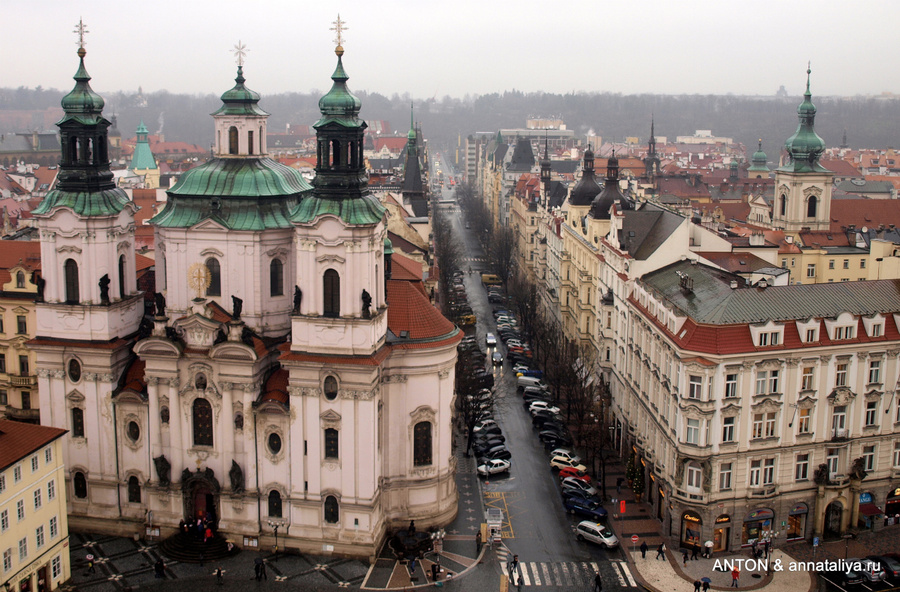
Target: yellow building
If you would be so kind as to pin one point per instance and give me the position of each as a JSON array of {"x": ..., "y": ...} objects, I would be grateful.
[
  {"x": 34, "y": 532},
  {"x": 20, "y": 264}
]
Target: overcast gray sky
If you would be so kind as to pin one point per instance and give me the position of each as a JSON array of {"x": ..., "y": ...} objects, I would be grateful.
[{"x": 455, "y": 47}]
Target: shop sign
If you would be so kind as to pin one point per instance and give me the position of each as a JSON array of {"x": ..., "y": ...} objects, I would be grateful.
[
  {"x": 723, "y": 519},
  {"x": 895, "y": 493},
  {"x": 691, "y": 517},
  {"x": 865, "y": 498},
  {"x": 800, "y": 508},
  {"x": 761, "y": 514}
]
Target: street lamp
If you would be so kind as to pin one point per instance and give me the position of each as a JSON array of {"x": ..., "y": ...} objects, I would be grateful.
[{"x": 275, "y": 524}]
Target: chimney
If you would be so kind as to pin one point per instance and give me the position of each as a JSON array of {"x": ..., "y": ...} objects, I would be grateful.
[
  {"x": 757, "y": 239},
  {"x": 734, "y": 284},
  {"x": 763, "y": 284}
]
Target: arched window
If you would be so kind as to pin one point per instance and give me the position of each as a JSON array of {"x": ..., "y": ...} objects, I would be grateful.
[
  {"x": 215, "y": 277},
  {"x": 274, "y": 504},
  {"x": 783, "y": 204},
  {"x": 232, "y": 140},
  {"x": 332, "y": 293},
  {"x": 134, "y": 490},
  {"x": 331, "y": 388},
  {"x": 276, "y": 278},
  {"x": 811, "y": 206},
  {"x": 200, "y": 382},
  {"x": 332, "y": 512},
  {"x": 335, "y": 154},
  {"x": 122, "y": 277},
  {"x": 250, "y": 142},
  {"x": 77, "y": 422},
  {"x": 332, "y": 443},
  {"x": 422, "y": 443},
  {"x": 79, "y": 484},
  {"x": 203, "y": 423},
  {"x": 20, "y": 279},
  {"x": 71, "y": 272}
]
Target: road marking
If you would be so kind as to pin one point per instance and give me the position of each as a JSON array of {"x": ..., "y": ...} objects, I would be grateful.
[
  {"x": 523, "y": 574},
  {"x": 565, "y": 571},
  {"x": 833, "y": 584},
  {"x": 627, "y": 572},
  {"x": 546, "y": 573}
]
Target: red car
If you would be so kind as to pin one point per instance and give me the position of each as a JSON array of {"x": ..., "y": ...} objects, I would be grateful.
[{"x": 575, "y": 474}]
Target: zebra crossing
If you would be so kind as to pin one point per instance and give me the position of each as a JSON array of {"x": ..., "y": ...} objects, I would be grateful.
[{"x": 578, "y": 574}]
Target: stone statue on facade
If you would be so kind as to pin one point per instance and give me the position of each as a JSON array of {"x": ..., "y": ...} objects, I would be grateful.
[
  {"x": 40, "y": 282},
  {"x": 160, "y": 300},
  {"x": 298, "y": 297},
  {"x": 237, "y": 477},
  {"x": 237, "y": 305},
  {"x": 366, "y": 303},
  {"x": 162, "y": 470},
  {"x": 821, "y": 475},
  {"x": 104, "y": 289},
  {"x": 858, "y": 469}
]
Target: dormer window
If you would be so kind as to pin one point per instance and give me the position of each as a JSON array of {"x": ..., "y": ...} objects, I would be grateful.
[
  {"x": 844, "y": 332},
  {"x": 769, "y": 338}
]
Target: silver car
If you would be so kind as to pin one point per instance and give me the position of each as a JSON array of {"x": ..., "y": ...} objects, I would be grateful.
[{"x": 869, "y": 569}]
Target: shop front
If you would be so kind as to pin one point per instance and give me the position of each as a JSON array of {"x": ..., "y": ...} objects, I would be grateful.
[
  {"x": 757, "y": 526},
  {"x": 892, "y": 505},
  {"x": 691, "y": 524},
  {"x": 722, "y": 533},
  {"x": 796, "y": 524},
  {"x": 869, "y": 512}
]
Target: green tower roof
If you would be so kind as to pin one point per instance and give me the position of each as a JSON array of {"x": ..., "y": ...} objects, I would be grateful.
[
  {"x": 758, "y": 162},
  {"x": 805, "y": 146},
  {"x": 361, "y": 210},
  {"x": 82, "y": 104},
  {"x": 240, "y": 100},
  {"x": 339, "y": 105},
  {"x": 143, "y": 158}
]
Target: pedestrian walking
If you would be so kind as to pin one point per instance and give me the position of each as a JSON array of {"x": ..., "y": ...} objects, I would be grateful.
[
  {"x": 697, "y": 585},
  {"x": 262, "y": 571},
  {"x": 644, "y": 550},
  {"x": 478, "y": 543},
  {"x": 619, "y": 482},
  {"x": 754, "y": 548},
  {"x": 219, "y": 580},
  {"x": 201, "y": 558},
  {"x": 684, "y": 557},
  {"x": 90, "y": 562},
  {"x": 257, "y": 575},
  {"x": 768, "y": 546},
  {"x": 159, "y": 568},
  {"x": 598, "y": 582},
  {"x": 661, "y": 551},
  {"x": 434, "y": 572},
  {"x": 705, "y": 586},
  {"x": 735, "y": 577}
]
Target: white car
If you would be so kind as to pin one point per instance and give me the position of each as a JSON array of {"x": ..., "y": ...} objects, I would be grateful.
[
  {"x": 561, "y": 462},
  {"x": 484, "y": 424},
  {"x": 513, "y": 343},
  {"x": 565, "y": 453},
  {"x": 542, "y": 406},
  {"x": 572, "y": 484},
  {"x": 490, "y": 340},
  {"x": 596, "y": 533},
  {"x": 520, "y": 368},
  {"x": 492, "y": 467}
]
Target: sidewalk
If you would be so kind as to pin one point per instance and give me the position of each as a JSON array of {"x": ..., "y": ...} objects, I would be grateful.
[{"x": 670, "y": 575}]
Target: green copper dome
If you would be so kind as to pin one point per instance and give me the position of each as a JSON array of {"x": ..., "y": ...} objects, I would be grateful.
[
  {"x": 805, "y": 146},
  {"x": 240, "y": 100},
  {"x": 758, "y": 162},
  {"x": 361, "y": 210},
  {"x": 82, "y": 104},
  {"x": 339, "y": 104},
  {"x": 388, "y": 246},
  {"x": 142, "y": 159}
]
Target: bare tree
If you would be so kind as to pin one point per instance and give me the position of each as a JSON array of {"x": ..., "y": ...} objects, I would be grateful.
[{"x": 502, "y": 252}]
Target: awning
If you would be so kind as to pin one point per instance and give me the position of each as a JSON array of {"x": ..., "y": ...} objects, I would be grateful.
[{"x": 870, "y": 510}]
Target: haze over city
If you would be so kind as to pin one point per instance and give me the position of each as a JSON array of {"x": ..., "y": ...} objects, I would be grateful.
[{"x": 457, "y": 48}]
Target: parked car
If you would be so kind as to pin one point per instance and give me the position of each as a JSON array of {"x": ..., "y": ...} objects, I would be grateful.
[
  {"x": 565, "y": 452},
  {"x": 870, "y": 570},
  {"x": 548, "y": 424},
  {"x": 584, "y": 499},
  {"x": 561, "y": 462},
  {"x": 579, "y": 485},
  {"x": 524, "y": 381},
  {"x": 575, "y": 473},
  {"x": 542, "y": 406},
  {"x": 582, "y": 507},
  {"x": 530, "y": 398},
  {"x": 490, "y": 340},
  {"x": 531, "y": 373},
  {"x": 596, "y": 533},
  {"x": 484, "y": 425},
  {"x": 890, "y": 565},
  {"x": 553, "y": 438},
  {"x": 495, "y": 438},
  {"x": 500, "y": 454},
  {"x": 485, "y": 448},
  {"x": 843, "y": 578},
  {"x": 493, "y": 467}
]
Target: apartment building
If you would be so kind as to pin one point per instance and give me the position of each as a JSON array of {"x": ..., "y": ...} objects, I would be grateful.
[{"x": 34, "y": 533}]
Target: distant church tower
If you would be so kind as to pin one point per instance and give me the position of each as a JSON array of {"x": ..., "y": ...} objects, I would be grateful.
[
  {"x": 803, "y": 186},
  {"x": 142, "y": 161},
  {"x": 651, "y": 162},
  {"x": 91, "y": 308},
  {"x": 759, "y": 169},
  {"x": 413, "y": 189}
]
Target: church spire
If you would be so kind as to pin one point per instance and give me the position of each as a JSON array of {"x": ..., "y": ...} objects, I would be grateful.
[{"x": 805, "y": 146}]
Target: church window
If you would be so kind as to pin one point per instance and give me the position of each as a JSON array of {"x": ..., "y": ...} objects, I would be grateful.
[
  {"x": 133, "y": 431},
  {"x": 203, "y": 418},
  {"x": 79, "y": 484},
  {"x": 122, "y": 277},
  {"x": 335, "y": 153},
  {"x": 332, "y": 293},
  {"x": 422, "y": 444},
  {"x": 215, "y": 277},
  {"x": 200, "y": 382},
  {"x": 783, "y": 204},
  {"x": 274, "y": 443},
  {"x": 276, "y": 278},
  {"x": 331, "y": 388},
  {"x": 134, "y": 490},
  {"x": 71, "y": 273},
  {"x": 274, "y": 504},
  {"x": 77, "y": 422},
  {"x": 74, "y": 370},
  {"x": 332, "y": 512},
  {"x": 250, "y": 142},
  {"x": 811, "y": 206},
  {"x": 20, "y": 279},
  {"x": 232, "y": 140},
  {"x": 164, "y": 415},
  {"x": 332, "y": 448},
  {"x": 21, "y": 324}
]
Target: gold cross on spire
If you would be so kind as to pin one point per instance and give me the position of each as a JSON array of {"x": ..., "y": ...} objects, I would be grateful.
[
  {"x": 81, "y": 31},
  {"x": 339, "y": 27},
  {"x": 240, "y": 52}
]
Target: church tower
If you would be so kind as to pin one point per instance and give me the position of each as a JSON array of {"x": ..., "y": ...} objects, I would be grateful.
[
  {"x": 413, "y": 189},
  {"x": 89, "y": 308},
  {"x": 803, "y": 186},
  {"x": 545, "y": 173},
  {"x": 651, "y": 162},
  {"x": 758, "y": 167},
  {"x": 142, "y": 161}
]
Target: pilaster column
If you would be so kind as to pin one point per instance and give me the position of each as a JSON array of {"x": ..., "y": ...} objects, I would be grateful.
[
  {"x": 177, "y": 421},
  {"x": 819, "y": 526}
]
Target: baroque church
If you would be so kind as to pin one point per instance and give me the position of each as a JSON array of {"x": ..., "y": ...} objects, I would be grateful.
[{"x": 293, "y": 375}]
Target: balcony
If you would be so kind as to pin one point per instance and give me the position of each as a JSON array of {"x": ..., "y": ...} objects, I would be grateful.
[
  {"x": 29, "y": 415},
  {"x": 23, "y": 381},
  {"x": 839, "y": 434},
  {"x": 765, "y": 492},
  {"x": 689, "y": 497}
]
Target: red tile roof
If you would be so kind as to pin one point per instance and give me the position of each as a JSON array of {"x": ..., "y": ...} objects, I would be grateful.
[
  {"x": 839, "y": 167},
  {"x": 275, "y": 388},
  {"x": 864, "y": 212},
  {"x": 13, "y": 253},
  {"x": 134, "y": 380},
  {"x": 18, "y": 440},
  {"x": 395, "y": 144},
  {"x": 410, "y": 310},
  {"x": 404, "y": 268}
]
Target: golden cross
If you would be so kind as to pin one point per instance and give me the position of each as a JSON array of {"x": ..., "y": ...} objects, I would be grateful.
[
  {"x": 240, "y": 52},
  {"x": 81, "y": 30},
  {"x": 339, "y": 27}
]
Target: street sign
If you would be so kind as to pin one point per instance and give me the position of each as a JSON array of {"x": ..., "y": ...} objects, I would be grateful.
[
  {"x": 621, "y": 506},
  {"x": 815, "y": 541},
  {"x": 634, "y": 538}
]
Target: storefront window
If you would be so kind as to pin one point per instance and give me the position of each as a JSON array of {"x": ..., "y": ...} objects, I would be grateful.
[
  {"x": 757, "y": 525},
  {"x": 721, "y": 533},
  {"x": 796, "y": 527},
  {"x": 690, "y": 529},
  {"x": 892, "y": 505}
]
